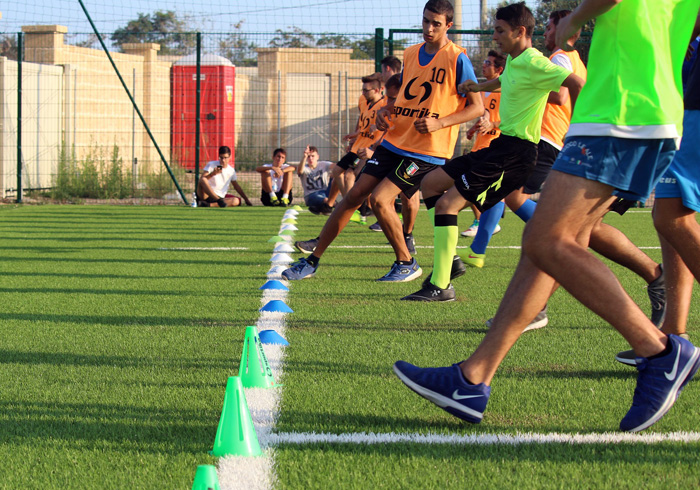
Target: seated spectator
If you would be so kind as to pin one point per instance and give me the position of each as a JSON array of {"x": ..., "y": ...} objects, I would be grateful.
[
  {"x": 213, "y": 185},
  {"x": 276, "y": 179},
  {"x": 315, "y": 177}
]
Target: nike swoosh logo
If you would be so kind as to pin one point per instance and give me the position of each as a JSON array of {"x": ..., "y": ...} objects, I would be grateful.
[
  {"x": 672, "y": 375},
  {"x": 472, "y": 256},
  {"x": 457, "y": 396}
]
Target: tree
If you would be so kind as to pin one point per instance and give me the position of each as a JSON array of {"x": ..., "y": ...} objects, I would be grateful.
[
  {"x": 8, "y": 46},
  {"x": 296, "y": 38},
  {"x": 238, "y": 49},
  {"x": 163, "y": 27}
]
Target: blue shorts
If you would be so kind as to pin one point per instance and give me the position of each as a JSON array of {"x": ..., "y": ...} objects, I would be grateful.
[
  {"x": 631, "y": 166},
  {"x": 682, "y": 179}
]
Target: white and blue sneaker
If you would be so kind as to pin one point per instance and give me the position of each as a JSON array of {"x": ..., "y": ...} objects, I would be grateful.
[
  {"x": 659, "y": 382},
  {"x": 447, "y": 389},
  {"x": 300, "y": 269},
  {"x": 402, "y": 273}
]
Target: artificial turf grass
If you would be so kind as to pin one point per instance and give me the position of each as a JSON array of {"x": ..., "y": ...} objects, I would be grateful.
[{"x": 115, "y": 354}]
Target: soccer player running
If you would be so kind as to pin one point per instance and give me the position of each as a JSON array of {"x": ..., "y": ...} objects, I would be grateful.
[
  {"x": 622, "y": 139},
  {"x": 485, "y": 177},
  {"x": 426, "y": 117}
]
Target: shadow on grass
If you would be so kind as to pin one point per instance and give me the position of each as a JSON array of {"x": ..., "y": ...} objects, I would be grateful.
[{"x": 128, "y": 427}]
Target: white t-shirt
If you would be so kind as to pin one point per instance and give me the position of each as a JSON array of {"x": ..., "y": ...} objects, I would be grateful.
[
  {"x": 220, "y": 182},
  {"x": 276, "y": 181},
  {"x": 315, "y": 179}
]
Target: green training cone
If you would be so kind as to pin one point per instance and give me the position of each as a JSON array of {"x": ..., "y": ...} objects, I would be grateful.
[
  {"x": 206, "y": 478},
  {"x": 236, "y": 433},
  {"x": 255, "y": 371}
]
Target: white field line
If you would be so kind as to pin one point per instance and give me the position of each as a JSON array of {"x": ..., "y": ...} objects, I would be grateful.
[
  {"x": 202, "y": 248},
  {"x": 504, "y": 247},
  {"x": 482, "y": 439},
  {"x": 246, "y": 473}
]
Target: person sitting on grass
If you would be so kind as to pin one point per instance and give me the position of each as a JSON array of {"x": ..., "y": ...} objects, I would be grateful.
[
  {"x": 213, "y": 185},
  {"x": 276, "y": 180},
  {"x": 315, "y": 177}
]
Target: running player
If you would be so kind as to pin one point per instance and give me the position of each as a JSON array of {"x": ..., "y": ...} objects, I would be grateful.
[
  {"x": 426, "y": 118},
  {"x": 622, "y": 139}
]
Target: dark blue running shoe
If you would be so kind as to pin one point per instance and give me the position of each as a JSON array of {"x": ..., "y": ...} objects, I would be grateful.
[
  {"x": 447, "y": 389},
  {"x": 659, "y": 382}
]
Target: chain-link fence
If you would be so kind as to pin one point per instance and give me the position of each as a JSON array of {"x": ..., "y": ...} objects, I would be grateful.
[{"x": 72, "y": 118}]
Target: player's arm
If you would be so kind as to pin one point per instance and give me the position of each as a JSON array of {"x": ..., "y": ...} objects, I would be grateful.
[
  {"x": 586, "y": 10},
  {"x": 302, "y": 162},
  {"x": 474, "y": 109},
  {"x": 562, "y": 96},
  {"x": 573, "y": 84},
  {"x": 239, "y": 189},
  {"x": 384, "y": 115},
  {"x": 470, "y": 86}
]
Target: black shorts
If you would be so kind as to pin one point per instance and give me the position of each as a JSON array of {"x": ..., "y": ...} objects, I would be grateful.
[
  {"x": 404, "y": 172},
  {"x": 546, "y": 154},
  {"x": 265, "y": 197},
  {"x": 487, "y": 176},
  {"x": 349, "y": 161}
]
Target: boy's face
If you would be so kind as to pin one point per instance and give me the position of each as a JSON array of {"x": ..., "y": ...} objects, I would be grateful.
[
  {"x": 489, "y": 68},
  {"x": 387, "y": 73},
  {"x": 435, "y": 26},
  {"x": 312, "y": 159},
  {"x": 506, "y": 37},
  {"x": 279, "y": 159},
  {"x": 392, "y": 93},
  {"x": 224, "y": 159},
  {"x": 370, "y": 92},
  {"x": 549, "y": 36}
]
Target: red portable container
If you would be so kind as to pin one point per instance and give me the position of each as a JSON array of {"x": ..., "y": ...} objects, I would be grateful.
[{"x": 217, "y": 123}]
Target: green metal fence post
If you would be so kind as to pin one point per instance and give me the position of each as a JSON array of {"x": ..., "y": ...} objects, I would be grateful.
[
  {"x": 20, "y": 49},
  {"x": 378, "y": 48}
]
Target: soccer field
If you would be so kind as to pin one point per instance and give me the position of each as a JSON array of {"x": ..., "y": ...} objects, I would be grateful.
[{"x": 120, "y": 326}]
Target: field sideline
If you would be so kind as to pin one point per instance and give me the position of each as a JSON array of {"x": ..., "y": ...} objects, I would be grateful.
[{"x": 120, "y": 326}]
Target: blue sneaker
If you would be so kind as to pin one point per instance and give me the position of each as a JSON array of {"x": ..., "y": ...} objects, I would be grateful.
[
  {"x": 447, "y": 389},
  {"x": 659, "y": 382},
  {"x": 402, "y": 273},
  {"x": 300, "y": 269}
]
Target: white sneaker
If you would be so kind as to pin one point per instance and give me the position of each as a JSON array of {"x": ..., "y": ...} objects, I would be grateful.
[{"x": 471, "y": 231}]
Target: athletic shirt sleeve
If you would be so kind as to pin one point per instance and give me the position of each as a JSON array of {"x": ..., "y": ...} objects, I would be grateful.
[
  {"x": 465, "y": 69},
  {"x": 546, "y": 75},
  {"x": 563, "y": 61}
]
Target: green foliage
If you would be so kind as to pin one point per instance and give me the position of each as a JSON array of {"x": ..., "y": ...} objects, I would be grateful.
[
  {"x": 96, "y": 176},
  {"x": 8, "y": 46},
  {"x": 162, "y": 27},
  {"x": 237, "y": 48}
]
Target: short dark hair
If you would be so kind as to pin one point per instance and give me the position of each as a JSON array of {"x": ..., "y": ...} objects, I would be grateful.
[
  {"x": 441, "y": 7},
  {"x": 392, "y": 62},
  {"x": 394, "y": 82},
  {"x": 224, "y": 150},
  {"x": 517, "y": 15},
  {"x": 498, "y": 59},
  {"x": 313, "y": 149},
  {"x": 279, "y": 150},
  {"x": 558, "y": 15},
  {"x": 375, "y": 79}
]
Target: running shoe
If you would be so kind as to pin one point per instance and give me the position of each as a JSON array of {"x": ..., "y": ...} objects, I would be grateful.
[
  {"x": 431, "y": 292},
  {"x": 471, "y": 231},
  {"x": 308, "y": 246},
  {"x": 458, "y": 269},
  {"x": 540, "y": 321},
  {"x": 356, "y": 217},
  {"x": 474, "y": 260},
  {"x": 376, "y": 227},
  {"x": 410, "y": 243},
  {"x": 659, "y": 382},
  {"x": 402, "y": 273},
  {"x": 656, "y": 290},
  {"x": 284, "y": 202},
  {"x": 446, "y": 388},
  {"x": 301, "y": 269},
  {"x": 630, "y": 358}
]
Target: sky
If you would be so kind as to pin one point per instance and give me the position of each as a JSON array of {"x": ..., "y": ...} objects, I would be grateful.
[{"x": 316, "y": 16}]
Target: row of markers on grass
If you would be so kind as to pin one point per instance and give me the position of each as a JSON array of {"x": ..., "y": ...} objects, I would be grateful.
[{"x": 235, "y": 435}]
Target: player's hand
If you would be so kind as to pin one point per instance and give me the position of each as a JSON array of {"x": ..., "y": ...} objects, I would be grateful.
[
  {"x": 382, "y": 120},
  {"x": 427, "y": 125},
  {"x": 278, "y": 171},
  {"x": 468, "y": 86},
  {"x": 365, "y": 153},
  {"x": 565, "y": 30},
  {"x": 307, "y": 151}
]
